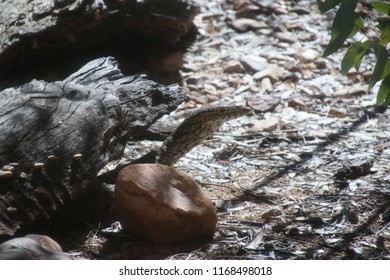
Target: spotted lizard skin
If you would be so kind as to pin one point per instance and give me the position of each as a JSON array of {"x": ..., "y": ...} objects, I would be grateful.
[{"x": 194, "y": 130}]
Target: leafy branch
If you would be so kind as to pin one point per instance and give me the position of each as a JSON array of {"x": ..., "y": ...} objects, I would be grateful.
[{"x": 345, "y": 25}]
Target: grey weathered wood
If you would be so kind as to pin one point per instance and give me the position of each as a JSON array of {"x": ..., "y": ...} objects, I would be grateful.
[
  {"x": 41, "y": 32},
  {"x": 55, "y": 137}
]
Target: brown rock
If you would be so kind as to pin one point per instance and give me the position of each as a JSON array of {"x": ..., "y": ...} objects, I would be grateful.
[
  {"x": 159, "y": 203},
  {"x": 32, "y": 247}
]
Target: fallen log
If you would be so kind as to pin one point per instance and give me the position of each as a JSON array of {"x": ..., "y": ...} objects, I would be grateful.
[
  {"x": 55, "y": 137},
  {"x": 50, "y": 37}
]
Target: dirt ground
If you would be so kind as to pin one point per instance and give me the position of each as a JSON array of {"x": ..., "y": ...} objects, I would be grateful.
[{"x": 306, "y": 174}]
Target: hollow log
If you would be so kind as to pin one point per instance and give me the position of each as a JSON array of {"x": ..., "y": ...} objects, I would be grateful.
[
  {"x": 42, "y": 36},
  {"x": 55, "y": 137}
]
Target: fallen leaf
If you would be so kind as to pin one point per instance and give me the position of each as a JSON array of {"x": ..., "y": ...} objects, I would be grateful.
[
  {"x": 264, "y": 125},
  {"x": 246, "y": 24}
]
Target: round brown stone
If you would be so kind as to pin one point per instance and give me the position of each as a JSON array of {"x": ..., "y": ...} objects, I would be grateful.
[{"x": 159, "y": 203}]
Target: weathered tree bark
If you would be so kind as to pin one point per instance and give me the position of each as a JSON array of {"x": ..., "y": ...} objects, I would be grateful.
[
  {"x": 55, "y": 137},
  {"x": 34, "y": 33}
]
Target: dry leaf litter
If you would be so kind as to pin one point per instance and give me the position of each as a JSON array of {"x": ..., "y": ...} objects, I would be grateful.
[{"x": 306, "y": 175}]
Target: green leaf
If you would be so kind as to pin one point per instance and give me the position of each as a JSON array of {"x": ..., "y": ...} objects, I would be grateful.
[
  {"x": 377, "y": 47},
  {"x": 359, "y": 23},
  {"x": 343, "y": 26},
  {"x": 381, "y": 61},
  {"x": 363, "y": 49},
  {"x": 385, "y": 36},
  {"x": 354, "y": 56},
  {"x": 386, "y": 70},
  {"x": 344, "y": 21},
  {"x": 329, "y": 4},
  {"x": 383, "y": 22},
  {"x": 348, "y": 59},
  {"x": 381, "y": 7},
  {"x": 383, "y": 96}
]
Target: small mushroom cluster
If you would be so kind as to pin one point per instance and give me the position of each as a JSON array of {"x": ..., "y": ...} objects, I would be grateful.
[{"x": 8, "y": 170}]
